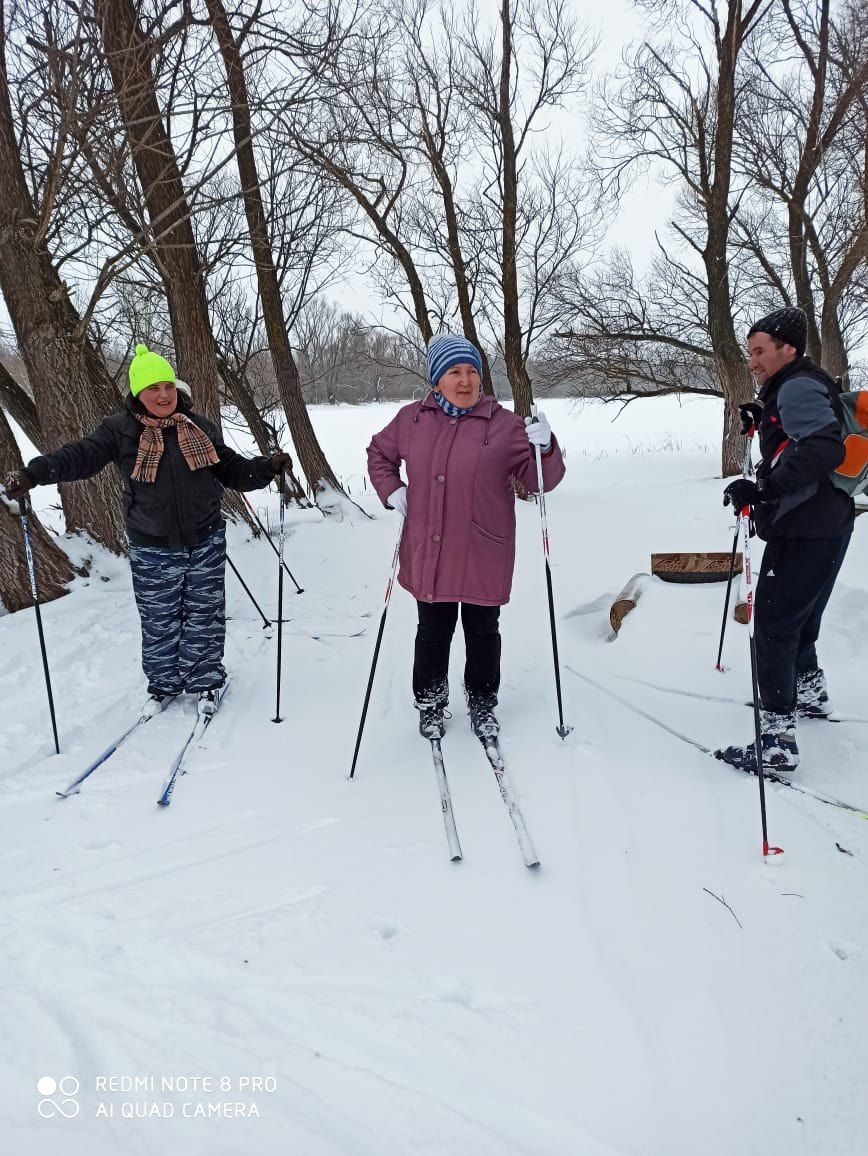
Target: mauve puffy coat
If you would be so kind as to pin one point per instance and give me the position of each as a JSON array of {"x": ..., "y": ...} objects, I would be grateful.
[{"x": 459, "y": 540}]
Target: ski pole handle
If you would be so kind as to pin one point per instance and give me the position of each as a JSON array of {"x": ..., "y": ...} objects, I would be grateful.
[
  {"x": 747, "y": 462},
  {"x": 540, "y": 488}
]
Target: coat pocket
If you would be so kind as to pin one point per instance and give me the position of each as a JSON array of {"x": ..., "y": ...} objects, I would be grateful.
[
  {"x": 488, "y": 571},
  {"x": 477, "y": 529}
]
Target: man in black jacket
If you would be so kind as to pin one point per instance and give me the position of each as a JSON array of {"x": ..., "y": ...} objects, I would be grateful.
[
  {"x": 806, "y": 522},
  {"x": 174, "y": 467}
]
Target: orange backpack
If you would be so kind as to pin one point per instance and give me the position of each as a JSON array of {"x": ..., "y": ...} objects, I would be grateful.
[{"x": 852, "y": 474}]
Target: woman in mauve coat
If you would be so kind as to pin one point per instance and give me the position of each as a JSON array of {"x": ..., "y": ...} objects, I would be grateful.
[{"x": 460, "y": 449}]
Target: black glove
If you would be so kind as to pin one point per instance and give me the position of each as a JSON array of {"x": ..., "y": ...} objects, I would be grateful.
[
  {"x": 280, "y": 462},
  {"x": 743, "y": 492},
  {"x": 750, "y": 414},
  {"x": 18, "y": 484}
]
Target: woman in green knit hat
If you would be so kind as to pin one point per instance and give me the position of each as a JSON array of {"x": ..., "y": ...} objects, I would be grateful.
[{"x": 174, "y": 466}]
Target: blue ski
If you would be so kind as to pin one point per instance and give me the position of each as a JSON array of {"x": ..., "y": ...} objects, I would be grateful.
[
  {"x": 73, "y": 787},
  {"x": 177, "y": 769}
]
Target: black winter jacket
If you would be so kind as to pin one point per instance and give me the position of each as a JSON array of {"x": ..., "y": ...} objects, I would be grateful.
[
  {"x": 182, "y": 507},
  {"x": 801, "y": 444}
]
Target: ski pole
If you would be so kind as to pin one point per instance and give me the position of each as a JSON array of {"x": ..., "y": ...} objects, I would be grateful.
[
  {"x": 23, "y": 508},
  {"x": 562, "y": 730},
  {"x": 748, "y": 582},
  {"x": 389, "y": 586},
  {"x": 266, "y": 535},
  {"x": 277, "y": 717},
  {"x": 266, "y": 625},
  {"x": 745, "y": 473}
]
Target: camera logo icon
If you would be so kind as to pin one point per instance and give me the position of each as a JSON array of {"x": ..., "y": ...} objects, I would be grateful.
[{"x": 58, "y": 1097}]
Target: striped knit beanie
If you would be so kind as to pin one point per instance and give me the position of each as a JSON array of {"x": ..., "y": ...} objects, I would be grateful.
[
  {"x": 449, "y": 350},
  {"x": 787, "y": 325}
]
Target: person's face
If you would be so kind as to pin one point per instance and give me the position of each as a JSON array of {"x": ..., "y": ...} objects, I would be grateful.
[
  {"x": 460, "y": 385},
  {"x": 160, "y": 400},
  {"x": 765, "y": 357}
]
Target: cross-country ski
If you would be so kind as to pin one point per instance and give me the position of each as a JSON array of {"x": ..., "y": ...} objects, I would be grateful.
[{"x": 151, "y": 709}]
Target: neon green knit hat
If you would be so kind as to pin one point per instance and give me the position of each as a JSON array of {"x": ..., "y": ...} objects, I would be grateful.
[{"x": 148, "y": 368}]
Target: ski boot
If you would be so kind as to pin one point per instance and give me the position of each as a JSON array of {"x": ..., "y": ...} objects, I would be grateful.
[
  {"x": 779, "y": 749},
  {"x": 431, "y": 706},
  {"x": 483, "y": 721},
  {"x": 156, "y": 703},
  {"x": 209, "y": 700},
  {"x": 812, "y": 695}
]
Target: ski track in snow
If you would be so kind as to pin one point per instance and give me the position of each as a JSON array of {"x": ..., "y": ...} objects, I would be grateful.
[{"x": 280, "y": 920}]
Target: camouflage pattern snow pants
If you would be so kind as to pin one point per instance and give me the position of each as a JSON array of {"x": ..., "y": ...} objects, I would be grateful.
[{"x": 181, "y": 596}]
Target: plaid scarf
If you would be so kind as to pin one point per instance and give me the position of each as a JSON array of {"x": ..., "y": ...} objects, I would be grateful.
[{"x": 193, "y": 443}]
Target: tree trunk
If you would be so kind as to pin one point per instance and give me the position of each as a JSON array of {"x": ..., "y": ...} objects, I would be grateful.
[
  {"x": 128, "y": 58},
  {"x": 802, "y": 277},
  {"x": 737, "y": 386},
  {"x": 732, "y": 371},
  {"x": 835, "y": 360},
  {"x": 834, "y": 356},
  {"x": 516, "y": 370},
  {"x": 263, "y": 433},
  {"x": 313, "y": 461},
  {"x": 70, "y": 383},
  {"x": 21, "y": 409},
  {"x": 453, "y": 237},
  {"x": 53, "y": 569},
  {"x": 809, "y": 159}
]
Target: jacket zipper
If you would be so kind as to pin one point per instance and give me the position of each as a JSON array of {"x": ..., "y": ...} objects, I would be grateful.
[{"x": 181, "y": 527}]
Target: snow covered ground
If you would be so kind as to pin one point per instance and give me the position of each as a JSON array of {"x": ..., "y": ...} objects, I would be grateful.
[{"x": 655, "y": 989}]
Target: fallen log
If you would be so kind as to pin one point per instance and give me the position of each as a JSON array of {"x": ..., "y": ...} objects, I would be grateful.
[{"x": 626, "y": 600}]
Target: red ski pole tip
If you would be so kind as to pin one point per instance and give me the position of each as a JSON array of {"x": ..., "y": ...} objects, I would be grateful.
[{"x": 767, "y": 850}]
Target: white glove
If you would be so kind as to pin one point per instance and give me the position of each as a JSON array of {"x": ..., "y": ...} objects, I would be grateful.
[
  {"x": 539, "y": 432},
  {"x": 398, "y": 501}
]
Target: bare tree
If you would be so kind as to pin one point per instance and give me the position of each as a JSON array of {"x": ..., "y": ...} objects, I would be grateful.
[
  {"x": 672, "y": 107},
  {"x": 70, "y": 383},
  {"x": 765, "y": 140},
  {"x": 349, "y": 56},
  {"x": 313, "y": 461},
  {"x": 241, "y": 352},
  {"x": 128, "y": 58},
  {"x": 344, "y": 359},
  {"x": 438, "y": 125},
  {"x": 324, "y": 334},
  {"x": 19, "y": 405},
  {"x": 802, "y": 136},
  {"x": 415, "y": 102},
  {"x": 635, "y": 339},
  {"x": 535, "y": 62},
  {"x": 53, "y": 569}
]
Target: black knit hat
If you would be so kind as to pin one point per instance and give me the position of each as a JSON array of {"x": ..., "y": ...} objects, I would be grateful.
[{"x": 788, "y": 325}]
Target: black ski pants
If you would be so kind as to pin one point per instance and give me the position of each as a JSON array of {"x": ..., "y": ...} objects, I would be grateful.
[
  {"x": 437, "y": 621},
  {"x": 795, "y": 583}
]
